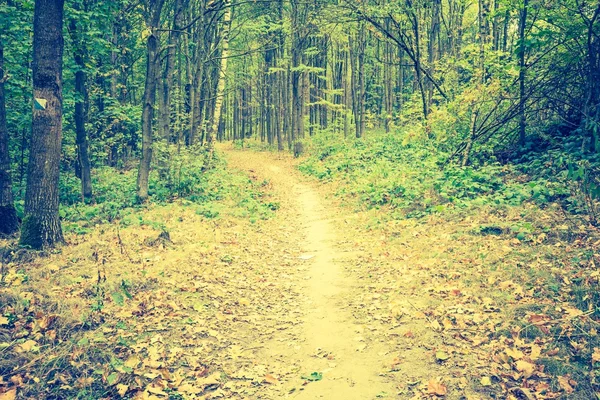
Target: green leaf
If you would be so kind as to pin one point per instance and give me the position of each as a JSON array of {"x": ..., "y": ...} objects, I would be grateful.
[
  {"x": 314, "y": 377},
  {"x": 441, "y": 356},
  {"x": 112, "y": 378},
  {"x": 118, "y": 298}
]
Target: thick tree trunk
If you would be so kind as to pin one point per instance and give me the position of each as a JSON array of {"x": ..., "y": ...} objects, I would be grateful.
[
  {"x": 41, "y": 225},
  {"x": 9, "y": 222}
]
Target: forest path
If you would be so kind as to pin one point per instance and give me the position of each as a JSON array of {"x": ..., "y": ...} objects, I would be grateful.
[{"x": 329, "y": 341}]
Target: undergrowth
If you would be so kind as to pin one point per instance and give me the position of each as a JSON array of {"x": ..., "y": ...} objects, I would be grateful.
[
  {"x": 416, "y": 179},
  {"x": 178, "y": 176}
]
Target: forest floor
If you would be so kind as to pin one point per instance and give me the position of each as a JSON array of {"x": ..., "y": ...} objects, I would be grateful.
[{"x": 314, "y": 302}]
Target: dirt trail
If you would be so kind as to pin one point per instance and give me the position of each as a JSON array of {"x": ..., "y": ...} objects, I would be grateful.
[{"x": 328, "y": 341}]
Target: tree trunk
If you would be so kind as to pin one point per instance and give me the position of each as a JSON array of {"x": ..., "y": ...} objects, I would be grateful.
[
  {"x": 152, "y": 70},
  {"x": 169, "y": 76},
  {"x": 9, "y": 222},
  {"x": 41, "y": 225},
  {"x": 296, "y": 74},
  {"x": 216, "y": 118},
  {"x": 83, "y": 159},
  {"x": 522, "y": 73}
]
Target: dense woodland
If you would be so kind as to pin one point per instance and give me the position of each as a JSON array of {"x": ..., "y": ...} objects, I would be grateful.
[
  {"x": 476, "y": 120},
  {"x": 483, "y": 80}
]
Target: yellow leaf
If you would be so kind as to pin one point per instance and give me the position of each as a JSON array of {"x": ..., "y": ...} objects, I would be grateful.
[
  {"x": 10, "y": 395},
  {"x": 30, "y": 345},
  {"x": 155, "y": 389},
  {"x": 526, "y": 368},
  {"x": 132, "y": 362},
  {"x": 4, "y": 320},
  {"x": 515, "y": 354},
  {"x": 122, "y": 389},
  {"x": 189, "y": 389},
  {"x": 486, "y": 381},
  {"x": 596, "y": 355},
  {"x": 535, "y": 352},
  {"x": 244, "y": 302}
]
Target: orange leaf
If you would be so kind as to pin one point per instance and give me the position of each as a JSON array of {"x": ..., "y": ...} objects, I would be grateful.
[
  {"x": 437, "y": 388},
  {"x": 271, "y": 379}
]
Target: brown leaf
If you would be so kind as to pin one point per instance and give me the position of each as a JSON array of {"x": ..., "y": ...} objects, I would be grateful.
[
  {"x": 551, "y": 353},
  {"x": 565, "y": 383},
  {"x": 437, "y": 388}
]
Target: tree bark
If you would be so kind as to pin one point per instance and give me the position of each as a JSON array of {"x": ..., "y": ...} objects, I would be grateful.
[
  {"x": 9, "y": 222},
  {"x": 296, "y": 76},
  {"x": 169, "y": 76},
  {"x": 522, "y": 73},
  {"x": 81, "y": 102},
  {"x": 216, "y": 118},
  {"x": 41, "y": 225},
  {"x": 152, "y": 70}
]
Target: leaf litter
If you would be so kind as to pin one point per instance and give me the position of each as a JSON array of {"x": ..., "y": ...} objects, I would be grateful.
[{"x": 462, "y": 315}]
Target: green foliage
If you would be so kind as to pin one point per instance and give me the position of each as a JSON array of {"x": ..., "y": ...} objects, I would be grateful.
[
  {"x": 178, "y": 176},
  {"x": 414, "y": 179}
]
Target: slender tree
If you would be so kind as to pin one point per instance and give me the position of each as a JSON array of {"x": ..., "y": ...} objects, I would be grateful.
[
  {"x": 522, "y": 72},
  {"x": 216, "y": 117},
  {"x": 81, "y": 106},
  {"x": 153, "y": 9}
]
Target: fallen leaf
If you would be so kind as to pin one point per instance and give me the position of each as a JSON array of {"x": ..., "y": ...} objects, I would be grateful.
[
  {"x": 565, "y": 383},
  {"x": 486, "y": 381},
  {"x": 313, "y": 377},
  {"x": 122, "y": 389},
  {"x": 437, "y": 388},
  {"x": 29, "y": 345},
  {"x": 189, "y": 389},
  {"x": 535, "y": 352},
  {"x": 515, "y": 354},
  {"x": 596, "y": 355},
  {"x": 271, "y": 379},
  {"x": 10, "y": 395},
  {"x": 526, "y": 368}
]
